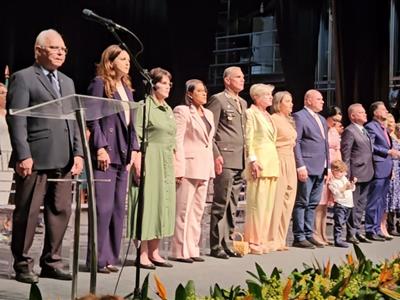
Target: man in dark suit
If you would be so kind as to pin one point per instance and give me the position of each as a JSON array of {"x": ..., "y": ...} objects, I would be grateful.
[
  {"x": 383, "y": 164},
  {"x": 229, "y": 117},
  {"x": 42, "y": 149},
  {"x": 356, "y": 148},
  {"x": 312, "y": 162}
]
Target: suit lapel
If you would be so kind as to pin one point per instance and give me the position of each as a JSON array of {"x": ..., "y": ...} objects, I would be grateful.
[
  {"x": 266, "y": 124},
  {"x": 45, "y": 82},
  {"x": 315, "y": 124},
  {"x": 195, "y": 115}
]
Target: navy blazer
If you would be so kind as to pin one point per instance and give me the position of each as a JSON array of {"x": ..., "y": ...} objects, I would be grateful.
[
  {"x": 382, "y": 161},
  {"x": 112, "y": 132},
  {"x": 311, "y": 150}
]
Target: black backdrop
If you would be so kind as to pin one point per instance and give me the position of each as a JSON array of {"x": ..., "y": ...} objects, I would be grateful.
[{"x": 177, "y": 35}]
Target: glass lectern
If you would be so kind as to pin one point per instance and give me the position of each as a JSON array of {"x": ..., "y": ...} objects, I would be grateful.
[{"x": 80, "y": 108}]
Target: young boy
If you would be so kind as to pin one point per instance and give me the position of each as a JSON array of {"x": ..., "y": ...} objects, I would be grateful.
[{"x": 342, "y": 190}]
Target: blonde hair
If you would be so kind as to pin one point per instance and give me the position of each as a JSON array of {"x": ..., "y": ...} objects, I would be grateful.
[
  {"x": 277, "y": 100},
  {"x": 338, "y": 165},
  {"x": 260, "y": 89}
]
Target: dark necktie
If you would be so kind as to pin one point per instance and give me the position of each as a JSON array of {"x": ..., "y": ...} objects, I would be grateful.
[{"x": 54, "y": 83}]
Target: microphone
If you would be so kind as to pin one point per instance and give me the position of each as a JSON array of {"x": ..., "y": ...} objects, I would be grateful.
[{"x": 90, "y": 15}]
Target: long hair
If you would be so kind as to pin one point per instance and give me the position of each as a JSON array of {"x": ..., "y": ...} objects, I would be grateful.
[{"x": 105, "y": 71}]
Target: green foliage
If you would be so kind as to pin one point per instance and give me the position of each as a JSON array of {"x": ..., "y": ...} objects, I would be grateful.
[{"x": 34, "y": 293}]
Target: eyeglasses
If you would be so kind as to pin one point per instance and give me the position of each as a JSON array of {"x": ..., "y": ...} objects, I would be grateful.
[{"x": 55, "y": 49}]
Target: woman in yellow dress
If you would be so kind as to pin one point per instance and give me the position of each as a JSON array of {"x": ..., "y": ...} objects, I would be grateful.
[
  {"x": 262, "y": 168},
  {"x": 285, "y": 195}
]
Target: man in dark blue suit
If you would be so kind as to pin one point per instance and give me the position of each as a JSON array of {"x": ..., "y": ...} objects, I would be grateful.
[
  {"x": 312, "y": 161},
  {"x": 382, "y": 156}
]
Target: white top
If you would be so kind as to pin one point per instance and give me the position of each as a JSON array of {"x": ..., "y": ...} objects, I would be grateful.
[{"x": 341, "y": 195}]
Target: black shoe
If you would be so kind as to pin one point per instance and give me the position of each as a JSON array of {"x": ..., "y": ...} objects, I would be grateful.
[
  {"x": 26, "y": 277},
  {"x": 341, "y": 244},
  {"x": 232, "y": 253},
  {"x": 163, "y": 264},
  {"x": 394, "y": 233},
  {"x": 181, "y": 259},
  {"x": 147, "y": 267},
  {"x": 219, "y": 254},
  {"x": 103, "y": 270},
  {"x": 385, "y": 237},
  {"x": 197, "y": 259},
  {"x": 315, "y": 242},
  {"x": 48, "y": 272},
  {"x": 374, "y": 237},
  {"x": 362, "y": 238},
  {"x": 352, "y": 239},
  {"x": 303, "y": 244}
]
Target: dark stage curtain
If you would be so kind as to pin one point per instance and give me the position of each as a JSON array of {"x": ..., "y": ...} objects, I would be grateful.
[
  {"x": 362, "y": 47},
  {"x": 298, "y": 29},
  {"x": 176, "y": 35}
]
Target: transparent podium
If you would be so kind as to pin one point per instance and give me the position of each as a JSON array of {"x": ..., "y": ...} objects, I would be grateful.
[{"x": 80, "y": 108}]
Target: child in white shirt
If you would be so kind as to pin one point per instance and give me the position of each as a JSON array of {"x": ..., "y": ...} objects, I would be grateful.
[{"x": 342, "y": 190}]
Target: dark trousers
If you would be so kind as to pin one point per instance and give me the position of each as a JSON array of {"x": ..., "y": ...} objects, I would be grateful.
[
  {"x": 227, "y": 188},
  {"x": 110, "y": 205},
  {"x": 31, "y": 192},
  {"x": 340, "y": 216},
  {"x": 307, "y": 198},
  {"x": 360, "y": 196}
]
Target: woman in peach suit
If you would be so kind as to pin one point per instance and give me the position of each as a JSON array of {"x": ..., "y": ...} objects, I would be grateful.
[
  {"x": 262, "y": 168},
  {"x": 194, "y": 166},
  {"x": 282, "y": 106},
  {"x": 334, "y": 116}
]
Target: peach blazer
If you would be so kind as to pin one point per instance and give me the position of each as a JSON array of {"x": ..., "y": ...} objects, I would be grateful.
[{"x": 194, "y": 145}]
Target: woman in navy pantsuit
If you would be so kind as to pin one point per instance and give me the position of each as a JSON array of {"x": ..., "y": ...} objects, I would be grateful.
[{"x": 113, "y": 145}]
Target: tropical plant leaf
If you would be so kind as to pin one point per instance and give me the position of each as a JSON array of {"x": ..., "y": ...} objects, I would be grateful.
[
  {"x": 190, "y": 289},
  {"x": 334, "y": 291},
  {"x": 276, "y": 273},
  {"x": 360, "y": 255},
  {"x": 254, "y": 289},
  {"x": 161, "y": 290},
  {"x": 180, "y": 293},
  {"x": 253, "y": 275},
  {"x": 34, "y": 293},
  {"x": 327, "y": 269},
  {"x": 335, "y": 272},
  {"x": 145, "y": 288},
  {"x": 390, "y": 293},
  {"x": 286, "y": 290},
  {"x": 263, "y": 276},
  {"x": 217, "y": 293}
]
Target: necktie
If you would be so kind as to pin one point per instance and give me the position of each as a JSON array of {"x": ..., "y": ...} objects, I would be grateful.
[
  {"x": 386, "y": 135},
  {"x": 321, "y": 128},
  {"x": 237, "y": 101},
  {"x": 54, "y": 83}
]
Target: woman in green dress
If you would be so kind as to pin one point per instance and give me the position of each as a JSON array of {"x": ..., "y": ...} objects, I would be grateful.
[{"x": 159, "y": 186}]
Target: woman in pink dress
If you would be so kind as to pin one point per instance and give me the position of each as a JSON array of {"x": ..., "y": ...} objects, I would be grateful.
[{"x": 334, "y": 116}]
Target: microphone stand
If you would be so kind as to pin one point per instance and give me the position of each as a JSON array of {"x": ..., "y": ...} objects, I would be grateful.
[{"x": 143, "y": 146}]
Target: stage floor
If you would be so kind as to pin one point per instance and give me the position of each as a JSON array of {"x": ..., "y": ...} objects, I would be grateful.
[{"x": 226, "y": 273}]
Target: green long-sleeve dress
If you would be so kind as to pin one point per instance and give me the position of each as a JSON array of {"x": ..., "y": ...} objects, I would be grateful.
[{"x": 159, "y": 188}]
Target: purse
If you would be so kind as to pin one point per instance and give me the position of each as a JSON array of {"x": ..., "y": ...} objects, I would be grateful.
[{"x": 240, "y": 246}]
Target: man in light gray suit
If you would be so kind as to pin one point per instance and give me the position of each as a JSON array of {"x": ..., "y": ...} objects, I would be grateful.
[
  {"x": 356, "y": 148},
  {"x": 312, "y": 162},
  {"x": 229, "y": 117},
  {"x": 42, "y": 149}
]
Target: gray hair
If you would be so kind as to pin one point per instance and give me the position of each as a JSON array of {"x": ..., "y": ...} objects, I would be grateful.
[
  {"x": 229, "y": 70},
  {"x": 42, "y": 37}
]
